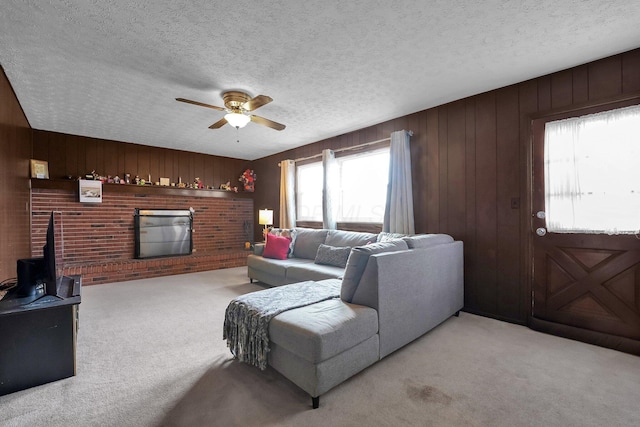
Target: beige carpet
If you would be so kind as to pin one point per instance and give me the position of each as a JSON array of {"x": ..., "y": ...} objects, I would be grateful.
[{"x": 150, "y": 353}]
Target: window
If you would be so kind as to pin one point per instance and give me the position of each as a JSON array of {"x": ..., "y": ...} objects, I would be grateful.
[
  {"x": 361, "y": 193},
  {"x": 363, "y": 186},
  {"x": 592, "y": 176},
  {"x": 309, "y": 192}
]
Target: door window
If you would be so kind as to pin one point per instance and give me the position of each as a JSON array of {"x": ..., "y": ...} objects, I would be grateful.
[{"x": 592, "y": 173}]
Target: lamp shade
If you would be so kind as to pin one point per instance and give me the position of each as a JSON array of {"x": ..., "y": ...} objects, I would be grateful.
[
  {"x": 237, "y": 120},
  {"x": 265, "y": 217}
]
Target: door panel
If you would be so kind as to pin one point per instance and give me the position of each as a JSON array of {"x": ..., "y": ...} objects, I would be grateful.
[{"x": 586, "y": 281}]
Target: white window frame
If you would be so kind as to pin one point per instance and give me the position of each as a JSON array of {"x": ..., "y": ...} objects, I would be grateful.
[{"x": 351, "y": 187}]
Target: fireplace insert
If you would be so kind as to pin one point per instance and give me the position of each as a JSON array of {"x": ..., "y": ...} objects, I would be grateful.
[{"x": 163, "y": 232}]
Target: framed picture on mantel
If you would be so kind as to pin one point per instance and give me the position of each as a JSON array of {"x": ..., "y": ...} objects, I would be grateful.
[
  {"x": 90, "y": 191},
  {"x": 39, "y": 169}
]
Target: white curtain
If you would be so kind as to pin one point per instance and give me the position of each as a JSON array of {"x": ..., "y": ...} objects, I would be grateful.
[
  {"x": 398, "y": 213},
  {"x": 592, "y": 177},
  {"x": 329, "y": 190},
  {"x": 287, "y": 194}
]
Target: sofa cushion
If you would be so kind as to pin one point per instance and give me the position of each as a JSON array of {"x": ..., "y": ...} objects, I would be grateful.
[
  {"x": 349, "y": 238},
  {"x": 277, "y": 247},
  {"x": 320, "y": 331},
  {"x": 307, "y": 242},
  {"x": 276, "y": 267},
  {"x": 312, "y": 271},
  {"x": 427, "y": 240},
  {"x": 331, "y": 255},
  {"x": 358, "y": 261}
]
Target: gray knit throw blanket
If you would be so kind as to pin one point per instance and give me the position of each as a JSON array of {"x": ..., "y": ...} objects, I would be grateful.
[{"x": 246, "y": 320}]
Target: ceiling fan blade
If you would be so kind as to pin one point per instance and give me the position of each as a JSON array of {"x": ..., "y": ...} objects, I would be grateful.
[
  {"x": 218, "y": 124},
  {"x": 257, "y": 102},
  {"x": 266, "y": 122},
  {"x": 188, "y": 101}
]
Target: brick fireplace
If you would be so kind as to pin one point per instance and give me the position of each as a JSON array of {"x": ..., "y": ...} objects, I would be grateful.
[{"x": 99, "y": 237}]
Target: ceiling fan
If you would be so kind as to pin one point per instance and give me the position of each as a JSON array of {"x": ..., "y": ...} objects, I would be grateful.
[{"x": 238, "y": 105}]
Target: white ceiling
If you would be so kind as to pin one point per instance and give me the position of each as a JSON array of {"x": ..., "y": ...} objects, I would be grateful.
[{"x": 112, "y": 68}]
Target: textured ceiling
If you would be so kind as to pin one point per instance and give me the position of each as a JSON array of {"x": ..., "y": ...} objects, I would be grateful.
[{"x": 113, "y": 68}]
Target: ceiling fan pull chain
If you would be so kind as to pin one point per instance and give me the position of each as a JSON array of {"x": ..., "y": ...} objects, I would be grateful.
[{"x": 237, "y": 134}]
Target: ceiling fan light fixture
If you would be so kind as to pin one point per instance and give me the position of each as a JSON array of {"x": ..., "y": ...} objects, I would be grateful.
[{"x": 237, "y": 120}]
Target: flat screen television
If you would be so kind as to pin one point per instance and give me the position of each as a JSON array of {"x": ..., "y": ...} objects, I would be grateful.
[
  {"x": 49, "y": 255},
  {"x": 37, "y": 276}
]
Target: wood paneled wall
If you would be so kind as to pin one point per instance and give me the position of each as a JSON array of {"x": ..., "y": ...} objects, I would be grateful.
[
  {"x": 15, "y": 151},
  {"x": 470, "y": 163},
  {"x": 77, "y": 155},
  {"x": 471, "y": 168}
]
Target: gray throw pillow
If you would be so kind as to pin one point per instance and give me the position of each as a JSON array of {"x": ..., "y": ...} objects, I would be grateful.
[
  {"x": 332, "y": 255},
  {"x": 358, "y": 261}
]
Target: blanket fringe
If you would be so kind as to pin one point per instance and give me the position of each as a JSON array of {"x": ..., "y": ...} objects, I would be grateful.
[{"x": 246, "y": 321}]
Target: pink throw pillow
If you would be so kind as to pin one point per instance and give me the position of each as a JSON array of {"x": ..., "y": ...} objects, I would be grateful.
[{"x": 277, "y": 247}]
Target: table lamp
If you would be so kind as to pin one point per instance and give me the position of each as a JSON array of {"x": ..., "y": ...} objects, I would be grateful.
[{"x": 265, "y": 217}]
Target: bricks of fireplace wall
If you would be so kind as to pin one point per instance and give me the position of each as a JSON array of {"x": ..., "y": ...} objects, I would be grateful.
[
  {"x": 103, "y": 233},
  {"x": 119, "y": 271}
]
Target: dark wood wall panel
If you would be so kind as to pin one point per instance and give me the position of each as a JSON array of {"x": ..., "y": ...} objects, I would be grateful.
[
  {"x": 508, "y": 280},
  {"x": 470, "y": 159},
  {"x": 443, "y": 158},
  {"x": 15, "y": 152},
  {"x": 580, "y": 83},
  {"x": 70, "y": 155},
  {"x": 486, "y": 207},
  {"x": 561, "y": 89},
  {"x": 455, "y": 169},
  {"x": 605, "y": 78},
  {"x": 431, "y": 183},
  {"x": 630, "y": 74},
  {"x": 470, "y": 189}
]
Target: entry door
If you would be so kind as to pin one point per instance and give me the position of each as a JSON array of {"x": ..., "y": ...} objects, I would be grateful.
[{"x": 588, "y": 281}]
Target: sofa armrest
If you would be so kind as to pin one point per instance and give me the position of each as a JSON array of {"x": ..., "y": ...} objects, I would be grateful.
[
  {"x": 413, "y": 291},
  {"x": 258, "y": 249}
]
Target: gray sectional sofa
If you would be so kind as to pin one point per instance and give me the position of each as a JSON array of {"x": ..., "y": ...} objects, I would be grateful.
[{"x": 392, "y": 291}]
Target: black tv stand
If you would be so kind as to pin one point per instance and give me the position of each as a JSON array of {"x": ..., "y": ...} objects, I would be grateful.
[{"x": 38, "y": 336}]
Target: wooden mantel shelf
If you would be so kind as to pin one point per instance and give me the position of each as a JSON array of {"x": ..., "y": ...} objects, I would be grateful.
[{"x": 72, "y": 185}]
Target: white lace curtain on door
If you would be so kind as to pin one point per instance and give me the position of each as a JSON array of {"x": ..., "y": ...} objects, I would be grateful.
[{"x": 592, "y": 173}]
